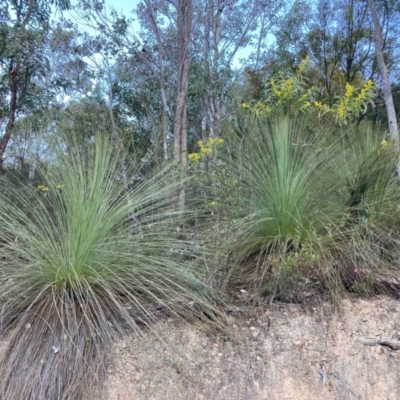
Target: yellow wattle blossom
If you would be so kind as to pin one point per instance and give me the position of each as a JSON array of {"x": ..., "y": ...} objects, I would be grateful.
[
  {"x": 349, "y": 91},
  {"x": 194, "y": 157},
  {"x": 43, "y": 188},
  {"x": 302, "y": 66},
  {"x": 364, "y": 92},
  {"x": 277, "y": 92},
  {"x": 306, "y": 96},
  {"x": 322, "y": 107},
  {"x": 206, "y": 150},
  {"x": 341, "y": 111},
  {"x": 305, "y": 106},
  {"x": 206, "y": 147},
  {"x": 287, "y": 87}
]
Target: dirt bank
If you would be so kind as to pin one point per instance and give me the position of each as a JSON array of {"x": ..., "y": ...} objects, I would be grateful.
[{"x": 285, "y": 352}]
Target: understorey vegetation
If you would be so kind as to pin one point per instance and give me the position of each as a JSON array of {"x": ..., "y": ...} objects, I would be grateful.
[{"x": 168, "y": 173}]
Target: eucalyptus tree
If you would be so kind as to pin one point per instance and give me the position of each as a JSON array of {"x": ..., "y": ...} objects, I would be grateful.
[
  {"x": 341, "y": 44},
  {"x": 138, "y": 58},
  {"x": 338, "y": 38},
  {"x": 221, "y": 29},
  {"x": 387, "y": 92},
  {"x": 23, "y": 33}
]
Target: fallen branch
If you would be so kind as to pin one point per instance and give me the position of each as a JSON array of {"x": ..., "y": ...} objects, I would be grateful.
[
  {"x": 367, "y": 342},
  {"x": 393, "y": 344}
]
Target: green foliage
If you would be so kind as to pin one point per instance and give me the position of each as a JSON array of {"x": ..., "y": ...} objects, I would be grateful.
[
  {"x": 291, "y": 94},
  {"x": 369, "y": 163},
  {"x": 85, "y": 259},
  {"x": 283, "y": 170},
  {"x": 310, "y": 206},
  {"x": 287, "y": 192},
  {"x": 213, "y": 181},
  {"x": 369, "y": 167}
]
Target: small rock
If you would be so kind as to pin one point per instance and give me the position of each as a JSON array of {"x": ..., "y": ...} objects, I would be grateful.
[
  {"x": 138, "y": 377},
  {"x": 143, "y": 387}
]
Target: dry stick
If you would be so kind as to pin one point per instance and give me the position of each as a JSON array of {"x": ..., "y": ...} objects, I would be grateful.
[
  {"x": 383, "y": 341},
  {"x": 343, "y": 383}
]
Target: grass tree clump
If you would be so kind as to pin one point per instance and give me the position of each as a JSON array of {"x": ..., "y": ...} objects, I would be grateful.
[
  {"x": 83, "y": 259},
  {"x": 369, "y": 162},
  {"x": 310, "y": 207},
  {"x": 288, "y": 206}
]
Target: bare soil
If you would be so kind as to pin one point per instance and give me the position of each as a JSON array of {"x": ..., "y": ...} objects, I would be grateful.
[{"x": 281, "y": 352}]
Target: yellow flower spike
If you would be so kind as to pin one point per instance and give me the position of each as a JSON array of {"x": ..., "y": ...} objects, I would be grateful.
[
  {"x": 302, "y": 66},
  {"x": 341, "y": 110},
  {"x": 277, "y": 92},
  {"x": 59, "y": 187},
  {"x": 220, "y": 141},
  {"x": 43, "y": 188},
  {"x": 200, "y": 143},
  {"x": 287, "y": 87},
  {"x": 349, "y": 90}
]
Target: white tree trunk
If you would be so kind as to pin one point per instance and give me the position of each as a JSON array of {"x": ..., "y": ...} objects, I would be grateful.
[{"x": 387, "y": 92}]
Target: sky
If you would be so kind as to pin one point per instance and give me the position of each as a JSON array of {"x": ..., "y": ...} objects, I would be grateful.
[
  {"x": 125, "y": 5},
  {"x": 128, "y": 5}
]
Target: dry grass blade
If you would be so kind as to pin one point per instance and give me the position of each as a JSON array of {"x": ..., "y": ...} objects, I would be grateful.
[{"x": 57, "y": 353}]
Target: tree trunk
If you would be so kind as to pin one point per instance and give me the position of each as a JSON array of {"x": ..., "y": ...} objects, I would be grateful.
[
  {"x": 184, "y": 24},
  {"x": 164, "y": 119},
  {"x": 161, "y": 76},
  {"x": 13, "y": 72},
  {"x": 387, "y": 92}
]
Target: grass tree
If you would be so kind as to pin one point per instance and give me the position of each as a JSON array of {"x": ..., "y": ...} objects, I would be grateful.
[
  {"x": 368, "y": 166},
  {"x": 288, "y": 196},
  {"x": 83, "y": 260},
  {"x": 309, "y": 206}
]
